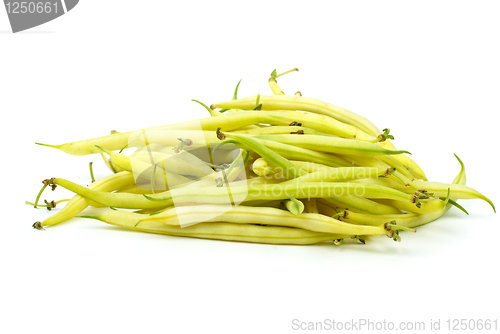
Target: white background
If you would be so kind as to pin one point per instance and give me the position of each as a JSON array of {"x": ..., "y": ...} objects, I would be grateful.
[{"x": 429, "y": 70}]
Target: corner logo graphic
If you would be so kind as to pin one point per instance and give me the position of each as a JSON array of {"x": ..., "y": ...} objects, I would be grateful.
[{"x": 28, "y": 14}]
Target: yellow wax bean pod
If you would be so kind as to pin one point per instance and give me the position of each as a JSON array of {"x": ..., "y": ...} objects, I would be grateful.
[
  {"x": 183, "y": 163},
  {"x": 114, "y": 200},
  {"x": 311, "y": 205},
  {"x": 433, "y": 206},
  {"x": 264, "y": 215},
  {"x": 309, "y": 167},
  {"x": 79, "y": 203},
  {"x": 332, "y": 145},
  {"x": 409, "y": 219},
  {"x": 303, "y": 154},
  {"x": 280, "y": 191},
  {"x": 283, "y": 102},
  {"x": 360, "y": 204},
  {"x": 326, "y": 209},
  {"x": 160, "y": 178},
  {"x": 390, "y": 160},
  {"x": 457, "y": 191},
  {"x": 338, "y": 174},
  {"x": 273, "y": 84},
  {"x": 118, "y": 141},
  {"x": 221, "y": 231},
  {"x": 376, "y": 162},
  {"x": 112, "y": 167},
  {"x": 135, "y": 189},
  {"x": 406, "y": 161},
  {"x": 272, "y": 130},
  {"x": 321, "y": 123}
]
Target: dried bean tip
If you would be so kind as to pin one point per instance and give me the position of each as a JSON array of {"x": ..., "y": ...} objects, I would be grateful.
[
  {"x": 396, "y": 236},
  {"x": 389, "y": 171},
  {"x": 338, "y": 242},
  {"x": 50, "y": 182},
  {"x": 219, "y": 182},
  {"x": 50, "y": 205},
  {"x": 360, "y": 239},
  {"x": 38, "y": 226},
  {"x": 183, "y": 142},
  {"x": 299, "y": 132},
  {"x": 385, "y": 135},
  {"x": 220, "y": 135},
  {"x": 388, "y": 226}
]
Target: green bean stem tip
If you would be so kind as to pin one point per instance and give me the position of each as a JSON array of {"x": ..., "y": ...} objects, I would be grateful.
[{"x": 235, "y": 95}]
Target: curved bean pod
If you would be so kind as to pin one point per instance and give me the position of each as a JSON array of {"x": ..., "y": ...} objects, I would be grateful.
[
  {"x": 273, "y": 158},
  {"x": 433, "y": 206},
  {"x": 457, "y": 191},
  {"x": 143, "y": 169},
  {"x": 309, "y": 167},
  {"x": 263, "y": 215},
  {"x": 221, "y": 231},
  {"x": 410, "y": 220},
  {"x": 311, "y": 206},
  {"x": 114, "y": 200},
  {"x": 136, "y": 189},
  {"x": 303, "y": 154},
  {"x": 118, "y": 141},
  {"x": 278, "y": 191},
  {"x": 360, "y": 205},
  {"x": 129, "y": 200},
  {"x": 338, "y": 174},
  {"x": 273, "y": 84},
  {"x": 183, "y": 163},
  {"x": 228, "y": 122},
  {"x": 376, "y": 162},
  {"x": 391, "y": 161},
  {"x": 279, "y": 129},
  {"x": 322, "y": 124},
  {"x": 283, "y": 102},
  {"x": 408, "y": 162},
  {"x": 78, "y": 203},
  {"x": 332, "y": 144}
]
